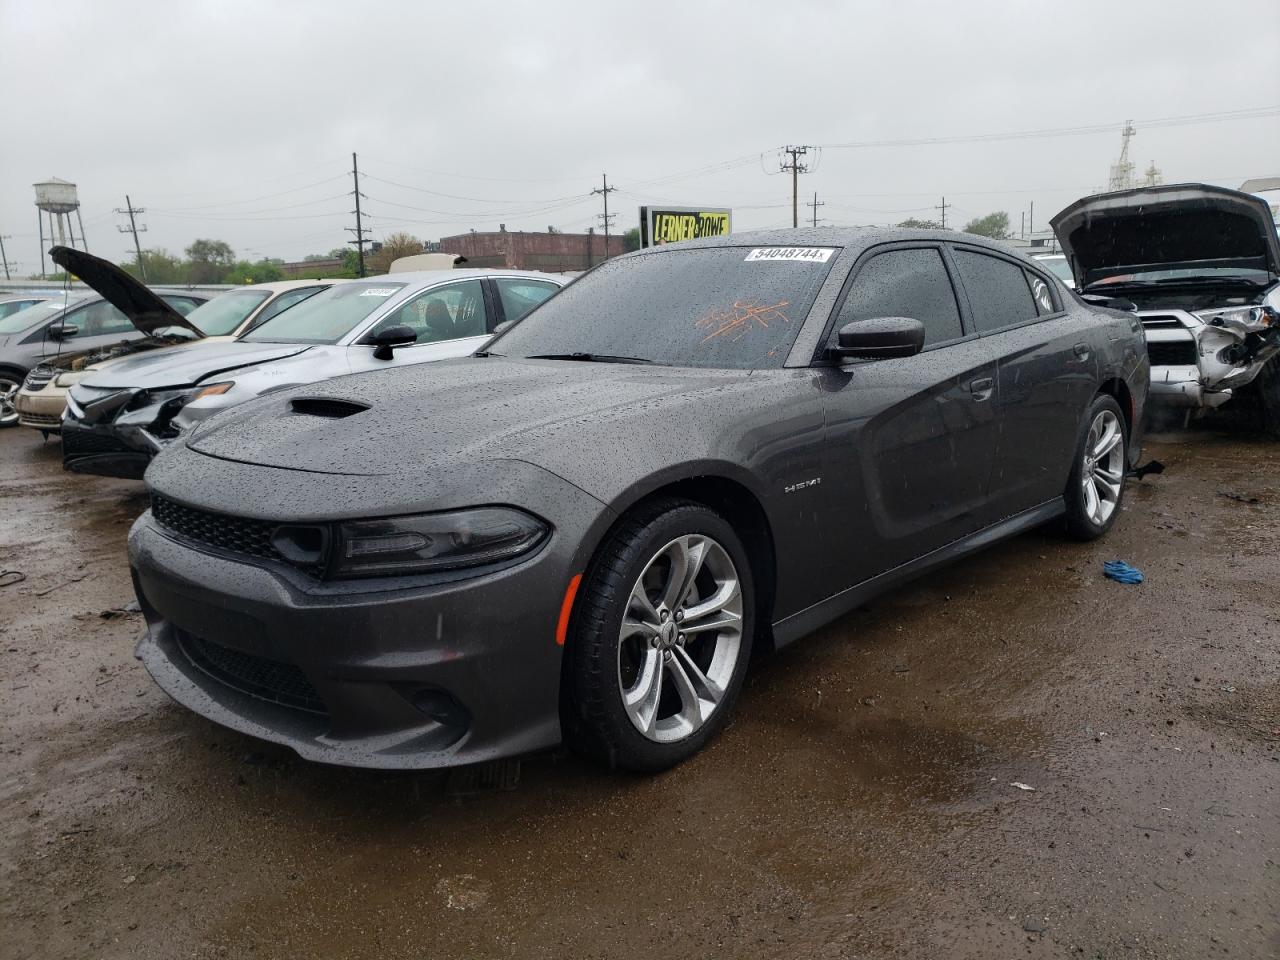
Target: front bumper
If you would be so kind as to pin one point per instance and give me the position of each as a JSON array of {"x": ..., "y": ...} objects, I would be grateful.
[
  {"x": 1183, "y": 387},
  {"x": 406, "y": 674},
  {"x": 104, "y": 450},
  {"x": 41, "y": 409}
]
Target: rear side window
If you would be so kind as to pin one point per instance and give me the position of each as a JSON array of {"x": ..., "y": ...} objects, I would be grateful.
[
  {"x": 998, "y": 290},
  {"x": 905, "y": 283},
  {"x": 521, "y": 296},
  {"x": 1041, "y": 294}
]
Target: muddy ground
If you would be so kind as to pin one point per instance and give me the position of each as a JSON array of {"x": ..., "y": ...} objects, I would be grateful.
[{"x": 863, "y": 803}]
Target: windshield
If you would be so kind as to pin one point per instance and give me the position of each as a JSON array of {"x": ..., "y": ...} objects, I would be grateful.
[
  {"x": 328, "y": 316},
  {"x": 221, "y": 315},
  {"x": 723, "y": 307},
  {"x": 17, "y": 322}
]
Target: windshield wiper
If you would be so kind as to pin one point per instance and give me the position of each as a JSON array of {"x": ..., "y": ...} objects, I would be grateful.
[{"x": 588, "y": 357}]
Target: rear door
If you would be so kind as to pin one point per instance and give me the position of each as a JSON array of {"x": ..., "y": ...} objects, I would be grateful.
[
  {"x": 1047, "y": 367},
  {"x": 450, "y": 320},
  {"x": 910, "y": 440}
]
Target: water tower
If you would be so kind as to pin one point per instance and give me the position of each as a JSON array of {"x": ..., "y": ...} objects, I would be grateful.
[{"x": 57, "y": 198}]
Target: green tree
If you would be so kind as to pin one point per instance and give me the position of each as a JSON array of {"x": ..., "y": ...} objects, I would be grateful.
[
  {"x": 911, "y": 223},
  {"x": 209, "y": 261},
  {"x": 161, "y": 267},
  {"x": 264, "y": 271},
  {"x": 393, "y": 248},
  {"x": 993, "y": 225},
  {"x": 631, "y": 240}
]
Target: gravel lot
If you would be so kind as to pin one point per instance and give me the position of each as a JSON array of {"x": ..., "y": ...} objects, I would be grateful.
[{"x": 863, "y": 803}]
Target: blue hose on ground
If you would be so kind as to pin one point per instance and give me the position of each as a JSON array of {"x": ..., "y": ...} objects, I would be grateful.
[{"x": 1121, "y": 572}]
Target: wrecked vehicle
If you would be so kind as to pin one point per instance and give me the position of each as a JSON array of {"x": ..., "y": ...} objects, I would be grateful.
[
  {"x": 120, "y": 415},
  {"x": 1202, "y": 264},
  {"x": 43, "y": 396},
  {"x": 581, "y": 531},
  {"x": 73, "y": 322}
]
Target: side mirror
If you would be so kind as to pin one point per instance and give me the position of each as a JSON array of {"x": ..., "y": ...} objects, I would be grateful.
[
  {"x": 880, "y": 338},
  {"x": 396, "y": 336},
  {"x": 63, "y": 331}
]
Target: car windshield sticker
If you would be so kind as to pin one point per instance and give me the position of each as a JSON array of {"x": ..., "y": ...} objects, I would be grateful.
[
  {"x": 1041, "y": 290},
  {"x": 378, "y": 291},
  {"x": 740, "y": 319},
  {"x": 780, "y": 254}
]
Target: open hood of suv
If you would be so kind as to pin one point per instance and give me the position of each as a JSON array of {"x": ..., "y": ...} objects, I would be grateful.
[
  {"x": 1178, "y": 226},
  {"x": 145, "y": 310}
]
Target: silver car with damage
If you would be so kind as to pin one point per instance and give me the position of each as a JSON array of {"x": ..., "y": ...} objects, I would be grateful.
[
  {"x": 1202, "y": 264},
  {"x": 119, "y": 417}
]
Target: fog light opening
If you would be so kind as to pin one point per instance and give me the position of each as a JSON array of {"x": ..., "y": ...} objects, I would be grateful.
[{"x": 441, "y": 708}]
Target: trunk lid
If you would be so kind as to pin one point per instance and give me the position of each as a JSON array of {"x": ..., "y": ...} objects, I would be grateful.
[
  {"x": 1183, "y": 226},
  {"x": 147, "y": 311}
]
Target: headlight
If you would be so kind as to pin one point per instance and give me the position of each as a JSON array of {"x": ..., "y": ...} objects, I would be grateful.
[
  {"x": 435, "y": 541},
  {"x": 213, "y": 390},
  {"x": 1254, "y": 317},
  {"x": 67, "y": 380}
]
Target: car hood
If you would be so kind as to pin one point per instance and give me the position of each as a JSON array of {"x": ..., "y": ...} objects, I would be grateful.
[
  {"x": 190, "y": 364},
  {"x": 439, "y": 415},
  {"x": 1176, "y": 226},
  {"x": 145, "y": 310}
]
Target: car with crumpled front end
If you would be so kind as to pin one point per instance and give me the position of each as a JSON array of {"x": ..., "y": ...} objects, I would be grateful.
[
  {"x": 1202, "y": 265},
  {"x": 119, "y": 417}
]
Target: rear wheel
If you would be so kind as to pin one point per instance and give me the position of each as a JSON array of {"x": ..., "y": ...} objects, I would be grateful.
[
  {"x": 1096, "y": 486},
  {"x": 661, "y": 638}
]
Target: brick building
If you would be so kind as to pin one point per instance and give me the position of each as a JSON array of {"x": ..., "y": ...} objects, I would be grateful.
[{"x": 551, "y": 252}]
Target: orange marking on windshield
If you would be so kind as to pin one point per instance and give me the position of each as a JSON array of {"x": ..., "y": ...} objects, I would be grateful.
[{"x": 740, "y": 319}]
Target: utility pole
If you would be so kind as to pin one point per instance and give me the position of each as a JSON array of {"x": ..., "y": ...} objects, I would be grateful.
[
  {"x": 1031, "y": 219},
  {"x": 795, "y": 168},
  {"x": 815, "y": 206},
  {"x": 3, "y": 238},
  {"x": 943, "y": 208},
  {"x": 133, "y": 228},
  {"x": 359, "y": 229},
  {"x": 604, "y": 190}
]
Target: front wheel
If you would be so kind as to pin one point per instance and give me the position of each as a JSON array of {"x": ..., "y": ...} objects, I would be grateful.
[
  {"x": 1096, "y": 486},
  {"x": 661, "y": 638},
  {"x": 10, "y": 384}
]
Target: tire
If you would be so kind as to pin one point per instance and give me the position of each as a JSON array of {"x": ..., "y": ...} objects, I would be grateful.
[
  {"x": 10, "y": 383},
  {"x": 1095, "y": 489},
  {"x": 1264, "y": 391},
  {"x": 632, "y": 697}
]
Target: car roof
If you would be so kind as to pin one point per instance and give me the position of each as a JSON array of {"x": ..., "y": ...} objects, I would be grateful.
[
  {"x": 280, "y": 286},
  {"x": 849, "y": 237},
  {"x": 436, "y": 276}
]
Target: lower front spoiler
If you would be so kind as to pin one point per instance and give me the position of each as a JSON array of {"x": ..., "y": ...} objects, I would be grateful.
[{"x": 98, "y": 450}]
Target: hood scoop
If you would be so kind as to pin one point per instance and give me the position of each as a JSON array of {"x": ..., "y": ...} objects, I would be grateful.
[{"x": 326, "y": 407}]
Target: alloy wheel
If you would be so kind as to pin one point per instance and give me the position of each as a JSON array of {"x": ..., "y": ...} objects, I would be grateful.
[
  {"x": 680, "y": 638},
  {"x": 8, "y": 397},
  {"x": 1102, "y": 474}
]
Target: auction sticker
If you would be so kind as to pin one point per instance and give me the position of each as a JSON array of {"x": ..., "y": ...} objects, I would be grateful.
[
  {"x": 378, "y": 291},
  {"x": 780, "y": 254}
]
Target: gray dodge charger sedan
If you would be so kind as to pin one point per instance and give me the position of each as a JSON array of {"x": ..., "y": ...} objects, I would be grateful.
[{"x": 584, "y": 531}]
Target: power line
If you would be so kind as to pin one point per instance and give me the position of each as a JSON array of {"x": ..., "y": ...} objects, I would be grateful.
[
  {"x": 795, "y": 168},
  {"x": 133, "y": 228}
]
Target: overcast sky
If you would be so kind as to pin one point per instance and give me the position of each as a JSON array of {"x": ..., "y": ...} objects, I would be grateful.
[{"x": 236, "y": 121}]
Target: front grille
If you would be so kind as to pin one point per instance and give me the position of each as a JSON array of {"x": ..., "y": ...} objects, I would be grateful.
[
  {"x": 38, "y": 379},
  {"x": 46, "y": 421},
  {"x": 1172, "y": 353},
  {"x": 270, "y": 680},
  {"x": 237, "y": 534},
  {"x": 78, "y": 442},
  {"x": 1161, "y": 320}
]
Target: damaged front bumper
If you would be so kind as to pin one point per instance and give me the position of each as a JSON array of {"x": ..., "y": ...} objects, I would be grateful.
[
  {"x": 1198, "y": 363},
  {"x": 111, "y": 433}
]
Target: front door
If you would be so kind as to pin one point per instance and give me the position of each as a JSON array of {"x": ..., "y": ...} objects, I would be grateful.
[
  {"x": 909, "y": 440},
  {"x": 451, "y": 320}
]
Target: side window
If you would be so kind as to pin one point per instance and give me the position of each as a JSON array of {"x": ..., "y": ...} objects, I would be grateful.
[
  {"x": 283, "y": 302},
  {"x": 1041, "y": 294},
  {"x": 521, "y": 296},
  {"x": 905, "y": 283},
  {"x": 100, "y": 319},
  {"x": 183, "y": 305},
  {"x": 997, "y": 289},
  {"x": 444, "y": 313}
]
